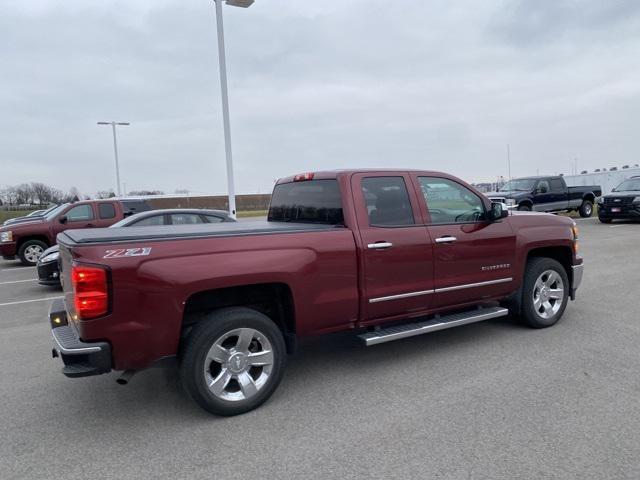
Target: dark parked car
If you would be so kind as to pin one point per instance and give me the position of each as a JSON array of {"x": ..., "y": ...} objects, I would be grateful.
[
  {"x": 48, "y": 273},
  {"x": 546, "y": 194},
  {"x": 623, "y": 203},
  {"x": 29, "y": 218}
]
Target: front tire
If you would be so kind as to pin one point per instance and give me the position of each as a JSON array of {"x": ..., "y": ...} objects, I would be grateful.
[
  {"x": 545, "y": 292},
  {"x": 30, "y": 252},
  {"x": 586, "y": 209},
  {"x": 524, "y": 208},
  {"x": 604, "y": 220},
  {"x": 233, "y": 361}
]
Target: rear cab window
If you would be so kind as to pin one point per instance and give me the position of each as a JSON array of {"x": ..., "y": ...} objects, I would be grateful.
[
  {"x": 106, "y": 211},
  {"x": 309, "y": 201}
]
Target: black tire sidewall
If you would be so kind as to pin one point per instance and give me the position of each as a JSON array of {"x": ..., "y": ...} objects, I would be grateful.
[
  {"x": 199, "y": 342},
  {"x": 24, "y": 246},
  {"x": 524, "y": 208},
  {"x": 583, "y": 207},
  {"x": 535, "y": 267}
]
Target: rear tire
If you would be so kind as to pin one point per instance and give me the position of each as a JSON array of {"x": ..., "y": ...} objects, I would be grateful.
[
  {"x": 545, "y": 292},
  {"x": 233, "y": 361},
  {"x": 30, "y": 251},
  {"x": 586, "y": 209},
  {"x": 524, "y": 208}
]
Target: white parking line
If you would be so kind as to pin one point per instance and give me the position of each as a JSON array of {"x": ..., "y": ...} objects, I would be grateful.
[
  {"x": 19, "y": 281},
  {"x": 30, "y": 301},
  {"x": 12, "y": 270}
]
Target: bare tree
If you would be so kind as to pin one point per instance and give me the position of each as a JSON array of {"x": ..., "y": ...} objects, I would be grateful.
[{"x": 105, "y": 194}]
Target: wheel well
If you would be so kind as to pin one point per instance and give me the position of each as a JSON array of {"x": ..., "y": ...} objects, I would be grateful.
[
  {"x": 526, "y": 202},
  {"x": 562, "y": 254},
  {"x": 271, "y": 299},
  {"x": 590, "y": 197},
  {"x": 38, "y": 237}
]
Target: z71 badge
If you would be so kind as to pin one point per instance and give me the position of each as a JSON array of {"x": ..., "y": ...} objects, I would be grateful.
[{"x": 127, "y": 252}]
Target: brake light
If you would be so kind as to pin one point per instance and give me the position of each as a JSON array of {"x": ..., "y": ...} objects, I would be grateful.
[
  {"x": 303, "y": 177},
  {"x": 90, "y": 291}
]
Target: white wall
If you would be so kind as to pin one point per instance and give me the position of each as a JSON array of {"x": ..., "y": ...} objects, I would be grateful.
[{"x": 607, "y": 180}]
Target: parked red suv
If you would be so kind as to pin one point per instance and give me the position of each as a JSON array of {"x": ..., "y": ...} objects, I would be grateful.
[{"x": 28, "y": 240}]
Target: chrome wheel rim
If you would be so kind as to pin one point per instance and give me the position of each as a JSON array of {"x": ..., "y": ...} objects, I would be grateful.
[
  {"x": 238, "y": 364},
  {"x": 548, "y": 294},
  {"x": 32, "y": 253},
  {"x": 587, "y": 209}
]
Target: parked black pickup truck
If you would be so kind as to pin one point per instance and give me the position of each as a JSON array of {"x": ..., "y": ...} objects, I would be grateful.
[{"x": 546, "y": 194}]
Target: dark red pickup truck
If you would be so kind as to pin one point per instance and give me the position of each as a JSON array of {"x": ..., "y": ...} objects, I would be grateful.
[
  {"x": 27, "y": 240},
  {"x": 388, "y": 254}
]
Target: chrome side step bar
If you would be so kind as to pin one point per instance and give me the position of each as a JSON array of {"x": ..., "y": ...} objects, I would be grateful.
[{"x": 388, "y": 334}]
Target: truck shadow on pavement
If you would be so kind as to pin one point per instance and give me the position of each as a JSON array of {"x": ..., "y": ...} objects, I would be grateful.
[{"x": 321, "y": 366}]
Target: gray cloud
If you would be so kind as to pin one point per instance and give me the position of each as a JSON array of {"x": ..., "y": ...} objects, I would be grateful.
[{"x": 436, "y": 85}]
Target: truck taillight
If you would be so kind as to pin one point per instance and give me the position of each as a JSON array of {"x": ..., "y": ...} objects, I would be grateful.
[{"x": 90, "y": 291}]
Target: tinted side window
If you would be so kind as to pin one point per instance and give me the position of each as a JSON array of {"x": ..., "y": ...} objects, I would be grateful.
[
  {"x": 185, "y": 219},
  {"x": 106, "y": 210},
  {"x": 214, "y": 219},
  {"x": 79, "y": 213},
  {"x": 387, "y": 201},
  {"x": 450, "y": 202},
  {"x": 556, "y": 185},
  {"x": 149, "y": 221},
  {"x": 314, "y": 201},
  {"x": 134, "y": 206},
  {"x": 543, "y": 186}
]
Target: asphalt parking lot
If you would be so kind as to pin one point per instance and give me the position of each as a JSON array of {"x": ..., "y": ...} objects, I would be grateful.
[{"x": 492, "y": 400}]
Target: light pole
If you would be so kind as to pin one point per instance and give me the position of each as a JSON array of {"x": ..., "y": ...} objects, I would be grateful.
[
  {"x": 115, "y": 149},
  {"x": 225, "y": 98}
]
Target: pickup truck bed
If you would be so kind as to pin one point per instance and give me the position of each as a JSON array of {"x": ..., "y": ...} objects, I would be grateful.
[{"x": 136, "y": 234}]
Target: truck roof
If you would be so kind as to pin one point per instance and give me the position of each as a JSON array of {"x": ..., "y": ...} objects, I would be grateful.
[{"x": 329, "y": 174}]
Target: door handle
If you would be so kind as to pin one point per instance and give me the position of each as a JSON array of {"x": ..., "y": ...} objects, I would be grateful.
[
  {"x": 447, "y": 239},
  {"x": 379, "y": 245}
]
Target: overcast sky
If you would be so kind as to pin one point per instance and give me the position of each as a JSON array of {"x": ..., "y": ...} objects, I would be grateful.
[{"x": 440, "y": 85}]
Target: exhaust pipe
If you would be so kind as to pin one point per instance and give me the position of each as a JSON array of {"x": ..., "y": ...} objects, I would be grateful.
[{"x": 125, "y": 377}]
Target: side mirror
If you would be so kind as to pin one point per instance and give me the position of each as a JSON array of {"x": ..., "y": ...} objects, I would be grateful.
[
  {"x": 497, "y": 212},
  {"x": 63, "y": 219}
]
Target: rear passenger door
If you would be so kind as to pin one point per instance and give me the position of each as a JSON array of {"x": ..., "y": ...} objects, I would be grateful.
[
  {"x": 473, "y": 258},
  {"x": 106, "y": 214},
  {"x": 397, "y": 262}
]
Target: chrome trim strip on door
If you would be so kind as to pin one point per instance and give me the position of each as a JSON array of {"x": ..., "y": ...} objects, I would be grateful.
[
  {"x": 438, "y": 290},
  {"x": 401, "y": 295},
  {"x": 473, "y": 285}
]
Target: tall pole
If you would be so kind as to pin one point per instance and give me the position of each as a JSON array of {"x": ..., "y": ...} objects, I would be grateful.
[
  {"x": 509, "y": 160},
  {"x": 225, "y": 109},
  {"x": 115, "y": 151}
]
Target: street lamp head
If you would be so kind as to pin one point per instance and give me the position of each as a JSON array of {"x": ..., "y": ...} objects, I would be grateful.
[
  {"x": 104, "y": 123},
  {"x": 123, "y": 123},
  {"x": 240, "y": 3}
]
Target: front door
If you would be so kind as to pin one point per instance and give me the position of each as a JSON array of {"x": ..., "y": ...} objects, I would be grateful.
[
  {"x": 473, "y": 258},
  {"x": 397, "y": 261},
  {"x": 78, "y": 216}
]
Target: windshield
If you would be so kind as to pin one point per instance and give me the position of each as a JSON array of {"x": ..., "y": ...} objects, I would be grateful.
[
  {"x": 631, "y": 185},
  {"x": 55, "y": 211},
  {"x": 518, "y": 185}
]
